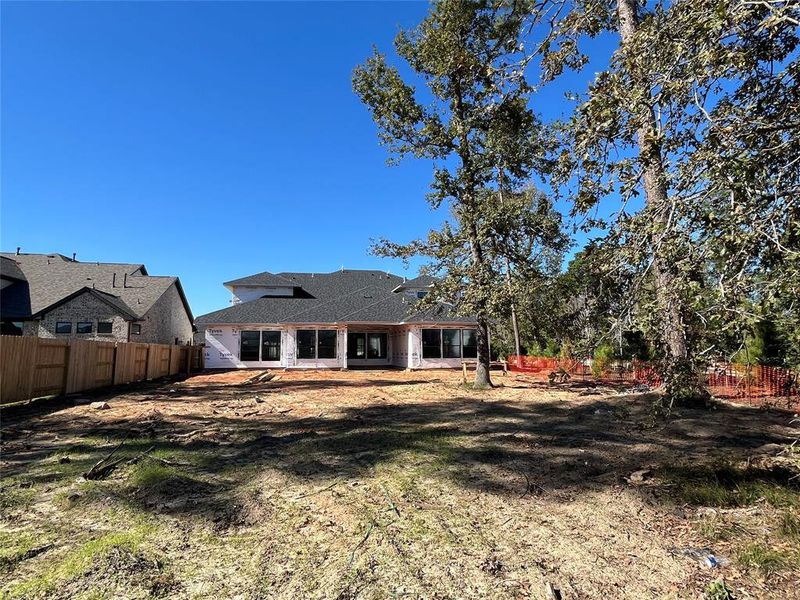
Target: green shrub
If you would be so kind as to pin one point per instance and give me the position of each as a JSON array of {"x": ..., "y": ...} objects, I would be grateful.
[
  {"x": 764, "y": 345},
  {"x": 603, "y": 357},
  {"x": 717, "y": 590},
  {"x": 552, "y": 349},
  {"x": 535, "y": 349}
]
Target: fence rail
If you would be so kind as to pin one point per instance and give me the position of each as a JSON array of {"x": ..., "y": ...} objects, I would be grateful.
[
  {"x": 32, "y": 367},
  {"x": 732, "y": 381}
]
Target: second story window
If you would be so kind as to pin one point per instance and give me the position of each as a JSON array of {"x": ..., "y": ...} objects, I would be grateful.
[
  {"x": 136, "y": 328},
  {"x": 85, "y": 327},
  {"x": 64, "y": 327},
  {"x": 104, "y": 327}
]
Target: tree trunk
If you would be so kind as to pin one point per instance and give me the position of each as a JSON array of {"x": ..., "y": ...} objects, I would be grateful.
[
  {"x": 514, "y": 323},
  {"x": 464, "y": 151},
  {"x": 680, "y": 380},
  {"x": 482, "y": 378}
]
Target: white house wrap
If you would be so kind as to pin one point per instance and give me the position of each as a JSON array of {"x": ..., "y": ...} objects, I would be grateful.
[{"x": 344, "y": 319}]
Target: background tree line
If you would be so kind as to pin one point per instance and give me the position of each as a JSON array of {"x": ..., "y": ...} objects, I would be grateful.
[{"x": 686, "y": 144}]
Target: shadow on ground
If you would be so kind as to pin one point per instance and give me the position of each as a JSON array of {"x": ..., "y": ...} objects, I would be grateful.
[{"x": 516, "y": 447}]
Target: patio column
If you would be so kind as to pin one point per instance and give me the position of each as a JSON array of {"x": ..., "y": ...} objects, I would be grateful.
[
  {"x": 411, "y": 345},
  {"x": 344, "y": 349}
]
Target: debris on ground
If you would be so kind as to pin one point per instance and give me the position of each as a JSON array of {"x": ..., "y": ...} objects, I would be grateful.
[
  {"x": 640, "y": 476},
  {"x": 382, "y": 484},
  {"x": 262, "y": 377},
  {"x": 705, "y": 556},
  {"x": 100, "y": 405},
  {"x": 559, "y": 376},
  {"x": 492, "y": 565},
  {"x": 552, "y": 592},
  {"x": 639, "y": 388}
]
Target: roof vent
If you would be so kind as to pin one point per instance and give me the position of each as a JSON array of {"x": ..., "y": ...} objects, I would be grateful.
[
  {"x": 73, "y": 256},
  {"x": 18, "y": 249}
]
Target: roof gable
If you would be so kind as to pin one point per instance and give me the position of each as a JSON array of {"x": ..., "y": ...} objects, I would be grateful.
[
  {"x": 356, "y": 296},
  {"x": 54, "y": 277},
  {"x": 113, "y": 301}
]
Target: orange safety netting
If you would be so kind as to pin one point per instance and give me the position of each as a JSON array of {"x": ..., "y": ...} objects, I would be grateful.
[{"x": 723, "y": 379}]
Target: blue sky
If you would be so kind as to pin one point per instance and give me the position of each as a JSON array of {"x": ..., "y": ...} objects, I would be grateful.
[{"x": 206, "y": 140}]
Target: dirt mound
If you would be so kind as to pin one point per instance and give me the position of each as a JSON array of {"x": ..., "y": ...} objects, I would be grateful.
[{"x": 121, "y": 572}]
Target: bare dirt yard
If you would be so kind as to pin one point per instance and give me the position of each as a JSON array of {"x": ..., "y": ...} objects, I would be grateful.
[{"x": 391, "y": 484}]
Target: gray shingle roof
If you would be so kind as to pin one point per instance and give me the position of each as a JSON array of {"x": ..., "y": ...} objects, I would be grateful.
[
  {"x": 346, "y": 296},
  {"x": 15, "y": 302},
  {"x": 9, "y": 269},
  {"x": 54, "y": 277},
  {"x": 265, "y": 278}
]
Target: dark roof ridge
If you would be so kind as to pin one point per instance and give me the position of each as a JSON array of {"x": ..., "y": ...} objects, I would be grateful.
[{"x": 244, "y": 280}]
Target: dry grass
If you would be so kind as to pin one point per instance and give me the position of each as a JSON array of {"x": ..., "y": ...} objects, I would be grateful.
[{"x": 384, "y": 484}]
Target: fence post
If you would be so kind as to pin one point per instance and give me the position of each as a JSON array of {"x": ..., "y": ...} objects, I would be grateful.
[{"x": 114, "y": 364}]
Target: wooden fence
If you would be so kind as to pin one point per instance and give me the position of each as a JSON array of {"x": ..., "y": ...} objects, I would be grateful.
[{"x": 32, "y": 367}]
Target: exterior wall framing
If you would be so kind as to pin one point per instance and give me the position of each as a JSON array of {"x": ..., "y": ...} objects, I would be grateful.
[{"x": 404, "y": 346}]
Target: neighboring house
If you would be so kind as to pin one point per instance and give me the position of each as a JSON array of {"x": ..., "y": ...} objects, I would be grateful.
[
  {"x": 53, "y": 296},
  {"x": 343, "y": 319}
]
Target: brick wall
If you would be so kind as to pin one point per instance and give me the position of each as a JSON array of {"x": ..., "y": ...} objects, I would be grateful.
[
  {"x": 83, "y": 308},
  {"x": 165, "y": 321}
]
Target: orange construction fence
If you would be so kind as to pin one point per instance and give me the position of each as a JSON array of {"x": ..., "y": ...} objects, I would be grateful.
[{"x": 724, "y": 379}]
